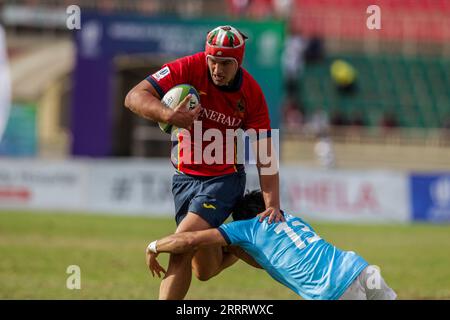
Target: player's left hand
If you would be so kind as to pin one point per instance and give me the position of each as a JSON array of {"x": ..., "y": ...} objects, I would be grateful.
[
  {"x": 273, "y": 214},
  {"x": 153, "y": 263}
]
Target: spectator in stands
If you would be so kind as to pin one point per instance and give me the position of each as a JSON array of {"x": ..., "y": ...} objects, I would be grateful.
[
  {"x": 324, "y": 149},
  {"x": 292, "y": 114},
  {"x": 446, "y": 123},
  {"x": 107, "y": 6},
  {"x": 338, "y": 119},
  {"x": 260, "y": 9},
  {"x": 357, "y": 119},
  {"x": 283, "y": 9},
  {"x": 315, "y": 50},
  {"x": 293, "y": 63},
  {"x": 319, "y": 123},
  {"x": 189, "y": 8},
  {"x": 238, "y": 8},
  {"x": 356, "y": 124},
  {"x": 148, "y": 7},
  {"x": 344, "y": 75},
  {"x": 446, "y": 130},
  {"x": 338, "y": 122},
  {"x": 389, "y": 120},
  {"x": 388, "y": 124}
]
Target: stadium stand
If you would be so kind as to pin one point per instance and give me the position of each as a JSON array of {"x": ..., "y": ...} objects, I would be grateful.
[
  {"x": 188, "y": 8},
  {"x": 414, "y": 89},
  {"x": 417, "y": 20}
]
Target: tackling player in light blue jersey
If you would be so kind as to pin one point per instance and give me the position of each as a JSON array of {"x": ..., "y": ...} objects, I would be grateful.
[{"x": 291, "y": 252}]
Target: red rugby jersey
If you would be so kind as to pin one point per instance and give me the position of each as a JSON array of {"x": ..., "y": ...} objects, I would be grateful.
[{"x": 240, "y": 106}]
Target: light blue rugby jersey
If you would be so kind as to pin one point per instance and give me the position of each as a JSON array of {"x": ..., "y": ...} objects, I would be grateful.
[{"x": 293, "y": 254}]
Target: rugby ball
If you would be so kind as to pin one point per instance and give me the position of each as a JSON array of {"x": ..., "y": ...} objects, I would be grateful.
[{"x": 174, "y": 96}]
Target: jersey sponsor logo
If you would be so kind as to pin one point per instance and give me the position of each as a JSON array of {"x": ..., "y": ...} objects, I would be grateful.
[
  {"x": 208, "y": 206},
  {"x": 220, "y": 118},
  {"x": 161, "y": 73}
]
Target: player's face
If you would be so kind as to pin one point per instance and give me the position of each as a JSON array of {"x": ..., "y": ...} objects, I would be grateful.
[{"x": 222, "y": 70}]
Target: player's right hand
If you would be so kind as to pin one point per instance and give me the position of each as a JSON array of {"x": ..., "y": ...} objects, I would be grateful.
[{"x": 182, "y": 117}]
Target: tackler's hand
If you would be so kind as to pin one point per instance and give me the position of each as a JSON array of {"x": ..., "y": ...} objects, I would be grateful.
[
  {"x": 153, "y": 264},
  {"x": 273, "y": 214}
]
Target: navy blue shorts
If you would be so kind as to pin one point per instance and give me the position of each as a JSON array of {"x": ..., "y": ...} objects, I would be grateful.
[{"x": 212, "y": 198}]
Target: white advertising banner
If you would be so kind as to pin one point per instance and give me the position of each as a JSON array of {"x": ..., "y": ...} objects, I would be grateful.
[
  {"x": 131, "y": 187},
  {"x": 143, "y": 187},
  {"x": 345, "y": 195},
  {"x": 31, "y": 184},
  {"x": 104, "y": 186}
]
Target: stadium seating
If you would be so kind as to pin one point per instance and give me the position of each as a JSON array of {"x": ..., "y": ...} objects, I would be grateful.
[
  {"x": 414, "y": 89},
  {"x": 405, "y": 20}
]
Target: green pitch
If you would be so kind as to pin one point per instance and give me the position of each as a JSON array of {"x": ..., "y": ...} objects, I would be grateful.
[{"x": 37, "y": 248}]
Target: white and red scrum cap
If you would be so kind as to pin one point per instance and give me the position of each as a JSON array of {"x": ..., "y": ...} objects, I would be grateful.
[{"x": 226, "y": 42}]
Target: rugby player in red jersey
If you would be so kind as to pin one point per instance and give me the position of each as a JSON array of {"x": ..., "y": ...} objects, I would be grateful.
[{"x": 204, "y": 192}]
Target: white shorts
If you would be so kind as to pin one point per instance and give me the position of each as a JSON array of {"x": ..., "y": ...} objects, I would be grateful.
[{"x": 369, "y": 285}]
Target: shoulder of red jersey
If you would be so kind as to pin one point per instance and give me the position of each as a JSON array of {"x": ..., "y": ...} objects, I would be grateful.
[
  {"x": 257, "y": 112},
  {"x": 182, "y": 70},
  {"x": 199, "y": 57},
  {"x": 196, "y": 60},
  {"x": 250, "y": 83}
]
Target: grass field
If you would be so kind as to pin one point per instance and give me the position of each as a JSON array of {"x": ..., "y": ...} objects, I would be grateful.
[{"x": 37, "y": 248}]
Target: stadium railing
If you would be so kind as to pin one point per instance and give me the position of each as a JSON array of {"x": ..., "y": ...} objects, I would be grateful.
[
  {"x": 395, "y": 148},
  {"x": 378, "y": 135}
]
